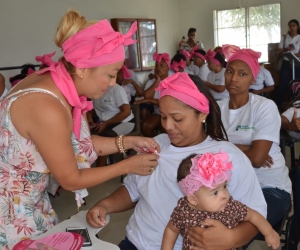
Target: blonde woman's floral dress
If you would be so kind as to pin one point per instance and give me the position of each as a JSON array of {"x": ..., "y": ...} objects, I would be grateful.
[{"x": 25, "y": 208}]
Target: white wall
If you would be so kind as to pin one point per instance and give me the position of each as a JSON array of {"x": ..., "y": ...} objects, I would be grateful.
[
  {"x": 199, "y": 14},
  {"x": 27, "y": 27}
]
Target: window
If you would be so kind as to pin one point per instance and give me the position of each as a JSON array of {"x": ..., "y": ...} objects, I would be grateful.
[
  {"x": 139, "y": 56},
  {"x": 251, "y": 27}
]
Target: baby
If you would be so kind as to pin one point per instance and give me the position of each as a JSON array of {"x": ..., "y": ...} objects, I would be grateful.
[{"x": 203, "y": 179}]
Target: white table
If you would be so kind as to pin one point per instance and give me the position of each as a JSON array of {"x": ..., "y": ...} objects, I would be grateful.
[{"x": 79, "y": 220}]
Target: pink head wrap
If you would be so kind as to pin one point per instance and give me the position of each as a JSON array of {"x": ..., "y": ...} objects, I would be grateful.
[
  {"x": 45, "y": 59},
  {"x": 159, "y": 57},
  {"x": 94, "y": 46},
  {"x": 249, "y": 56},
  {"x": 209, "y": 170},
  {"x": 210, "y": 56},
  {"x": 181, "y": 87},
  {"x": 125, "y": 72},
  {"x": 186, "y": 54},
  {"x": 177, "y": 65},
  {"x": 97, "y": 45},
  {"x": 194, "y": 53},
  {"x": 15, "y": 82}
]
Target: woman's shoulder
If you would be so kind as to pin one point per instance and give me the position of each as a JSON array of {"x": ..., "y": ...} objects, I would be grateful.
[
  {"x": 261, "y": 102},
  {"x": 162, "y": 140}
]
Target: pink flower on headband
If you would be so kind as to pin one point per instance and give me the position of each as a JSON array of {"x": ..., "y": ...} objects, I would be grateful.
[
  {"x": 45, "y": 59},
  {"x": 177, "y": 65},
  {"x": 209, "y": 170},
  {"x": 159, "y": 57}
]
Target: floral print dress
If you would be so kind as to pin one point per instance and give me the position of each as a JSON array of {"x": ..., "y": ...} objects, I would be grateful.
[{"x": 25, "y": 208}]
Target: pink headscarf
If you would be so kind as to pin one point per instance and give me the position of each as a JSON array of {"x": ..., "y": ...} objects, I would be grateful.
[
  {"x": 194, "y": 53},
  {"x": 186, "y": 54},
  {"x": 45, "y": 59},
  {"x": 177, "y": 65},
  {"x": 249, "y": 56},
  {"x": 125, "y": 72},
  {"x": 210, "y": 56},
  {"x": 209, "y": 170},
  {"x": 159, "y": 57},
  {"x": 181, "y": 87},
  {"x": 94, "y": 46}
]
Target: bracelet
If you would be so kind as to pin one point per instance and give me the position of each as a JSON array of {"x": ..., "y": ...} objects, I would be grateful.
[{"x": 120, "y": 145}]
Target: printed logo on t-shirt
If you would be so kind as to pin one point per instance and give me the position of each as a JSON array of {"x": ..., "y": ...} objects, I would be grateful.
[{"x": 243, "y": 127}]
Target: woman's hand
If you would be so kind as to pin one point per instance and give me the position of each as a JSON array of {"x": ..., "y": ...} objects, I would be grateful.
[
  {"x": 216, "y": 236},
  {"x": 100, "y": 128},
  {"x": 96, "y": 216},
  {"x": 142, "y": 164},
  {"x": 268, "y": 163},
  {"x": 295, "y": 122},
  {"x": 138, "y": 143},
  {"x": 140, "y": 101}
]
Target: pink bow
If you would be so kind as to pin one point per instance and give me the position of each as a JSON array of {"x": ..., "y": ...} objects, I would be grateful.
[
  {"x": 45, "y": 59},
  {"x": 159, "y": 57},
  {"x": 177, "y": 65},
  {"x": 194, "y": 53},
  {"x": 125, "y": 72},
  {"x": 186, "y": 54},
  {"x": 210, "y": 56},
  {"x": 30, "y": 71}
]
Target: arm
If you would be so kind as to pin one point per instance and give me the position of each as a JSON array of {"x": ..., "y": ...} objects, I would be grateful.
[
  {"x": 293, "y": 125},
  {"x": 217, "y": 88},
  {"x": 139, "y": 91},
  {"x": 149, "y": 92},
  {"x": 151, "y": 100},
  {"x": 264, "y": 90},
  {"x": 170, "y": 236}
]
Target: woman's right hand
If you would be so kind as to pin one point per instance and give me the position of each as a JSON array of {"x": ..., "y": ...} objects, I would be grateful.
[
  {"x": 269, "y": 162},
  {"x": 96, "y": 216},
  {"x": 142, "y": 164}
]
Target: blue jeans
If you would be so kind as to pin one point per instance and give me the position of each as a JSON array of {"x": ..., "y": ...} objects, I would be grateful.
[
  {"x": 278, "y": 201},
  {"x": 127, "y": 245}
]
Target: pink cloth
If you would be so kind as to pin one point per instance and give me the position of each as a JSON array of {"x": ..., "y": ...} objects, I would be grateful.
[
  {"x": 97, "y": 45},
  {"x": 125, "y": 72},
  {"x": 186, "y": 54},
  {"x": 209, "y": 170},
  {"x": 177, "y": 65},
  {"x": 45, "y": 59},
  {"x": 164, "y": 56},
  {"x": 249, "y": 56},
  {"x": 181, "y": 87},
  {"x": 210, "y": 56}
]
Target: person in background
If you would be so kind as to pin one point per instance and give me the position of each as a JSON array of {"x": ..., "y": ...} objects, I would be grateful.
[
  {"x": 288, "y": 43},
  {"x": 191, "y": 68},
  {"x": 44, "y": 129},
  {"x": 216, "y": 79},
  {"x": 26, "y": 70},
  {"x": 191, "y": 42},
  {"x": 3, "y": 90},
  {"x": 199, "y": 61},
  {"x": 264, "y": 83}
]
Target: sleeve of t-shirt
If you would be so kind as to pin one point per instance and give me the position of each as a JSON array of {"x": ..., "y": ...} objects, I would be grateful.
[
  {"x": 131, "y": 186},
  {"x": 222, "y": 80},
  {"x": 149, "y": 83},
  {"x": 120, "y": 96},
  {"x": 268, "y": 78},
  {"x": 289, "y": 113},
  {"x": 267, "y": 122},
  {"x": 135, "y": 78}
]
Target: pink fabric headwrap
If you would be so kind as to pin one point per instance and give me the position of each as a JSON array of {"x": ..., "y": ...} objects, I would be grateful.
[
  {"x": 194, "y": 53},
  {"x": 125, "y": 72},
  {"x": 45, "y": 59},
  {"x": 209, "y": 170},
  {"x": 181, "y": 87},
  {"x": 210, "y": 56},
  {"x": 249, "y": 56},
  {"x": 176, "y": 65},
  {"x": 186, "y": 54},
  {"x": 97, "y": 45},
  {"x": 159, "y": 57}
]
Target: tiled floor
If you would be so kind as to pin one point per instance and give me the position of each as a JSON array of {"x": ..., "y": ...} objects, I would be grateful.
[{"x": 114, "y": 232}]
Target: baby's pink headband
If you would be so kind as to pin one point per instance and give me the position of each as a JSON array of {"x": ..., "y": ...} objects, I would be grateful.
[
  {"x": 159, "y": 57},
  {"x": 45, "y": 59},
  {"x": 209, "y": 170},
  {"x": 210, "y": 56},
  {"x": 181, "y": 87},
  {"x": 97, "y": 45},
  {"x": 249, "y": 56},
  {"x": 125, "y": 72},
  {"x": 177, "y": 65}
]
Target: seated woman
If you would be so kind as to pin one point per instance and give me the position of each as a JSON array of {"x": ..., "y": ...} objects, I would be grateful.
[
  {"x": 128, "y": 81},
  {"x": 191, "y": 68},
  {"x": 3, "y": 90},
  {"x": 193, "y": 124},
  {"x": 215, "y": 79},
  {"x": 252, "y": 123},
  {"x": 199, "y": 61},
  {"x": 151, "y": 120},
  {"x": 263, "y": 84}
]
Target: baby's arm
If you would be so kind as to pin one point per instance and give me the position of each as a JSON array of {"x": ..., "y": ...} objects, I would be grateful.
[
  {"x": 271, "y": 237},
  {"x": 170, "y": 236}
]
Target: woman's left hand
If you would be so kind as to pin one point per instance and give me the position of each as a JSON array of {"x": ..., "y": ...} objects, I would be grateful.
[
  {"x": 100, "y": 128},
  {"x": 216, "y": 236},
  {"x": 139, "y": 143}
]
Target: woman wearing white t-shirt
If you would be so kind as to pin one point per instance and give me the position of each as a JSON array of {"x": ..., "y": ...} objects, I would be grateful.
[
  {"x": 199, "y": 61},
  {"x": 215, "y": 78},
  {"x": 290, "y": 119},
  {"x": 263, "y": 84},
  {"x": 193, "y": 124},
  {"x": 288, "y": 43},
  {"x": 252, "y": 123}
]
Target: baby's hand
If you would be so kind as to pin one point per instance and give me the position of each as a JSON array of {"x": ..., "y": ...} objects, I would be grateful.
[{"x": 273, "y": 240}]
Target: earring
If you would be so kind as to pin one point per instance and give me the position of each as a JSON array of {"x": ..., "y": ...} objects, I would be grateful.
[
  {"x": 203, "y": 121},
  {"x": 205, "y": 126}
]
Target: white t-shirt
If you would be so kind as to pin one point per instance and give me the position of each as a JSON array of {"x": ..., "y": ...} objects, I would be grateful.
[
  {"x": 289, "y": 113},
  {"x": 134, "y": 77},
  {"x": 218, "y": 79},
  {"x": 3, "y": 94},
  {"x": 130, "y": 90},
  {"x": 107, "y": 106},
  {"x": 264, "y": 77},
  {"x": 193, "y": 68},
  {"x": 203, "y": 72},
  {"x": 156, "y": 94},
  {"x": 159, "y": 192},
  {"x": 290, "y": 40},
  {"x": 258, "y": 119}
]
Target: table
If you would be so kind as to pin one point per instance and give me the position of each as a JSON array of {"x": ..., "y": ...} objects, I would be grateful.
[
  {"x": 79, "y": 220},
  {"x": 287, "y": 140}
]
